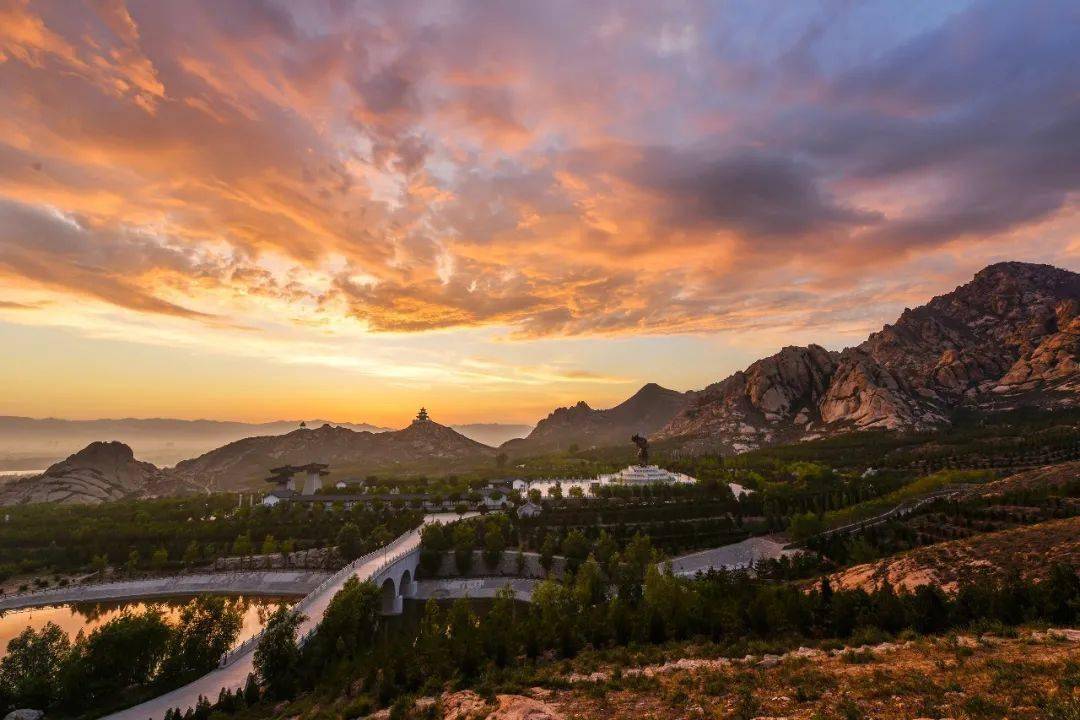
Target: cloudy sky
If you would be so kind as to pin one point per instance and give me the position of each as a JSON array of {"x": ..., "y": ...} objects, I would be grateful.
[{"x": 260, "y": 210}]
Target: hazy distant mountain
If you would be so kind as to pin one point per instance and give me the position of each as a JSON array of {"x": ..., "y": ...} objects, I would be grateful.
[
  {"x": 646, "y": 412},
  {"x": 1009, "y": 337},
  {"x": 422, "y": 444},
  {"x": 99, "y": 472},
  {"x": 163, "y": 441},
  {"x": 493, "y": 434}
]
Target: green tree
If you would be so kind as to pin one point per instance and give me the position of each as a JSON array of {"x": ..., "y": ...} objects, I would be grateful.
[
  {"x": 806, "y": 525},
  {"x": 350, "y": 543},
  {"x": 192, "y": 553},
  {"x": 494, "y": 543},
  {"x": 252, "y": 694},
  {"x": 28, "y": 673},
  {"x": 350, "y": 622},
  {"x": 277, "y": 656},
  {"x": 576, "y": 548},
  {"x": 132, "y": 564},
  {"x": 159, "y": 558},
  {"x": 269, "y": 545},
  {"x": 205, "y": 630},
  {"x": 547, "y": 551},
  {"x": 606, "y": 548},
  {"x": 288, "y": 547},
  {"x": 127, "y": 651},
  {"x": 464, "y": 541},
  {"x": 242, "y": 546}
]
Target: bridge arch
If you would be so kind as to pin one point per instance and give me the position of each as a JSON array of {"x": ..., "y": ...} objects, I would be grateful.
[
  {"x": 405, "y": 584},
  {"x": 391, "y": 602}
]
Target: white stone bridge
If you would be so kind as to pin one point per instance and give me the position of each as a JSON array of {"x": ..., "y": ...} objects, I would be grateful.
[{"x": 392, "y": 568}]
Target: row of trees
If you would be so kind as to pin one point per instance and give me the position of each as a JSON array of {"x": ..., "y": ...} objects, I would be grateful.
[
  {"x": 133, "y": 655},
  {"x": 631, "y": 601},
  {"x": 171, "y": 532}
]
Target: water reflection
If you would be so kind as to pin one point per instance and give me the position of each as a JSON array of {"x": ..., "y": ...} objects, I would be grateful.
[{"x": 85, "y": 616}]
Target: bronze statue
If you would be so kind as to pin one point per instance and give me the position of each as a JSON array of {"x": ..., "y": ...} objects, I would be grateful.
[{"x": 643, "y": 450}]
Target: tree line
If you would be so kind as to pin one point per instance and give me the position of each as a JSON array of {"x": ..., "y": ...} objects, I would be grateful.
[
  {"x": 628, "y": 600},
  {"x": 131, "y": 657}
]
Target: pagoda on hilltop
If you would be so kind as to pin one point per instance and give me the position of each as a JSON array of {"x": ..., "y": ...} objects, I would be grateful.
[{"x": 422, "y": 416}]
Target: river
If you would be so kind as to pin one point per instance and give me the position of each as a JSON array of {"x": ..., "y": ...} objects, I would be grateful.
[{"x": 85, "y": 616}]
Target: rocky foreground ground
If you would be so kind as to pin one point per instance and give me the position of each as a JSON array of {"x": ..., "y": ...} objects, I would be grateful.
[{"x": 1035, "y": 674}]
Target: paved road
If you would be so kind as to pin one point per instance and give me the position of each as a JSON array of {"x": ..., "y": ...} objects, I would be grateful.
[
  {"x": 255, "y": 582},
  {"x": 729, "y": 557},
  {"x": 234, "y": 675}
]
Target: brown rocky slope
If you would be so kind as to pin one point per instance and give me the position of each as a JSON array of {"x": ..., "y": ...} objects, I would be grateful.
[
  {"x": 100, "y": 472},
  {"x": 1010, "y": 336}
]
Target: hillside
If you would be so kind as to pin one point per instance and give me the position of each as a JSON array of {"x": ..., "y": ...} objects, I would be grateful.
[
  {"x": 100, "y": 472},
  {"x": 37, "y": 442},
  {"x": 1028, "y": 551},
  {"x": 648, "y": 410},
  {"x": 493, "y": 434},
  {"x": 1027, "y": 676},
  {"x": 422, "y": 444},
  {"x": 1009, "y": 337}
]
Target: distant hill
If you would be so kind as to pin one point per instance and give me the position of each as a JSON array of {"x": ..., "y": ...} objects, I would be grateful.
[
  {"x": 1008, "y": 338},
  {"x": 646, "y": 412},
  {"x": 25, "y": 442},
  {"x": 423, "y": 444},
  {"x": 99, "y": 472},
  {"x": 493, "y": 434}
]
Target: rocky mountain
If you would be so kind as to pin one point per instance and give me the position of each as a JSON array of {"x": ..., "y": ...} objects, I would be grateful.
[
  {"x": 99, "y": 472},
  {"x": 1011, "y": 336},
  {"x": 646, "y": 412},
  {"x": 423, "y": 443}
]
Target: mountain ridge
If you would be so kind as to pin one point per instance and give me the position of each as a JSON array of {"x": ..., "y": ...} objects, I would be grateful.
[
  {"x": 644, "y": 412},
  {"x": 1010, "y": 335}
]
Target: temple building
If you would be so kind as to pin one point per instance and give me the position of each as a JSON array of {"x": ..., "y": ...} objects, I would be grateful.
[
  {"x": 309, "y": 483},
  {"x": 643, "y": 475}
]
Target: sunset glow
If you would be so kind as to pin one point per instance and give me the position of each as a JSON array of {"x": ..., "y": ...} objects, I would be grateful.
[{"x": 258, "y": 210}]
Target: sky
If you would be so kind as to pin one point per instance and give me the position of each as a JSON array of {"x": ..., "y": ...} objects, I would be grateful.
[{"x": 265, "y": 210}]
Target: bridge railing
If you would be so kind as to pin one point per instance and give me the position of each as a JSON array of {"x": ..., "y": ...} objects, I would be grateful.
[{"x": 230, "y": 656}]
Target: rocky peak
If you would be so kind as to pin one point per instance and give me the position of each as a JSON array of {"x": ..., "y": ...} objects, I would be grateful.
[
  {"x": 99, "y": 472},
  {"x": 100, "y": 455},
  {"x": 1012, "y": 330}
]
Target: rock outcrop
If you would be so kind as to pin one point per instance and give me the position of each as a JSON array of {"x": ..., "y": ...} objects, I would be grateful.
[
  {"x": 774, "y": 399},
  {"x": 648, "y": 410},
  {"x": 99, "y": 472},
  {"x": 1010, "y": 336}
]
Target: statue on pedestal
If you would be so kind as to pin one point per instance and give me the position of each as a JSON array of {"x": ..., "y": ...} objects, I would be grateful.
[{"x": 643, "y": 449}]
